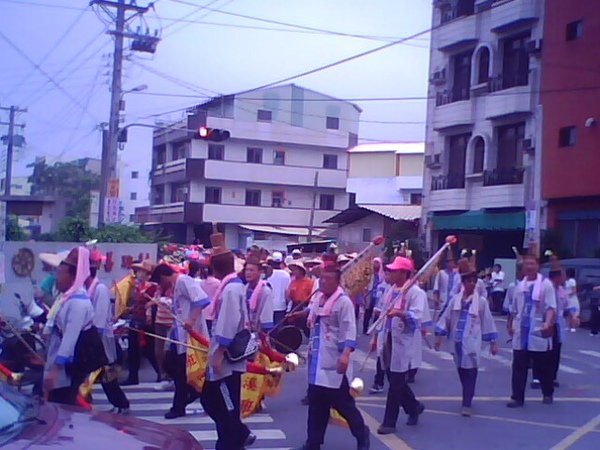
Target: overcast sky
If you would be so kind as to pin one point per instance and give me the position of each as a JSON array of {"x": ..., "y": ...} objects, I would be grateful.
[{"x": 223, "y": 54}]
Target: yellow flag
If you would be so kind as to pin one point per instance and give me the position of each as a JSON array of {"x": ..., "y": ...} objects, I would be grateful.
[
  {"x": 252, "y": 393},
  {"x": 196, "y": 364},
  {"x": 122, "y": 292}
]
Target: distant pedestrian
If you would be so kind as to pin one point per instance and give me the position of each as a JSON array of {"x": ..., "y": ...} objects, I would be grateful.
[
  {"x": 372, "y": 292},
  {"x": 467, "y": 322},
  {"x": 497, "y": 288},
  {"x": 572, "y": 299}
]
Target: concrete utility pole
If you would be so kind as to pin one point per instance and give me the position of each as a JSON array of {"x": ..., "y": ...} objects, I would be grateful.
[
  {"x": 12, "y": 111},
  {"x": 108, "y": 173},
  {"x": 311, "y": 223}
]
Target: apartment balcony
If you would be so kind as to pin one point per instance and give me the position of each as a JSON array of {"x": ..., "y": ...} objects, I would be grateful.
[
  {"x": 500, "y": 177},
  {"x": 456, "y": 34},
  {"x": 261, "y": 215},
  {"x": 508, "y": 97},
  {"x": 271, "y": 174},
  {"x": 486, "y": 197},
  {"x": 181, "y": 212},
  {"x": 443, "y": 182},
  {"x": 178, "y": 171},
  {"x": 510, "y": 14},
  {"x": 452, "y": 109},
  {"x": 448, "y": 200}
]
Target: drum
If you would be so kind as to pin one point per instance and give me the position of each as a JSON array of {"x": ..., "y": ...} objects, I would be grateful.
[{"x": 287, "y": 339}]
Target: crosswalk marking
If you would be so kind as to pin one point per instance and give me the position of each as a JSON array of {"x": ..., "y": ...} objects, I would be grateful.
[
  {"x": 568, "y": 369},
  {"x": 149, "y": 395},
  {"x": 211, "y": 435},
  {"x": 198, "y": 419},
  {"x": 590, "y": 353}
]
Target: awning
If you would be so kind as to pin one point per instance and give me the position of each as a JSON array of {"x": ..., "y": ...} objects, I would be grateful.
[
  {"x": 290, "y": 231},
  {"x": 395, "y": 212},
  {"x": 480, "y": 220}
]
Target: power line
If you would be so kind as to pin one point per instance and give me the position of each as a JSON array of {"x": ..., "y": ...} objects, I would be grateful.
[
  {"x": 43, "y": 72},
  {"x": 183, "y": 18}
]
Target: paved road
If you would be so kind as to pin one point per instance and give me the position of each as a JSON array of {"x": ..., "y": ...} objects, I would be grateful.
[{"x": 573, "y": 421}]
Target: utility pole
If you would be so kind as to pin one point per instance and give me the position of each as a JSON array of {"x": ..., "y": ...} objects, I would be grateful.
[
  {"x": 10, "y": 141},
  {"x": 311, "y": 223},
  {"x": 110, "y": 148}
]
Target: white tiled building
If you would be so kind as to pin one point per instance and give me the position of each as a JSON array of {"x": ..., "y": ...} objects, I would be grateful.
[
  {"x": 258, "y": 185},
  {"x": 482, "y": 166}
]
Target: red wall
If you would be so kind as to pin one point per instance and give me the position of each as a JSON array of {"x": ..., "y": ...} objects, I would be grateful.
[{"x": 568, "y": 67}]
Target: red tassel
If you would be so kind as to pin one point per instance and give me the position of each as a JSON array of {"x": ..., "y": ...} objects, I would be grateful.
[
  {"x": 201, "y": 339},
  {"x": 255, "y": 368}
]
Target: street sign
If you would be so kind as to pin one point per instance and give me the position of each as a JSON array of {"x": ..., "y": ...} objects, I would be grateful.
[
  {"x": 113, "y": 188},
  {"x": 112, "y": 209}
]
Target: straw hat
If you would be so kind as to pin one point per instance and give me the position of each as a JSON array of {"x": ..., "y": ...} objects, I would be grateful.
[
  {"x": 146, "y": 265},
  {"x": 343, "y": 259},
  {"x": 72, "y": 258},
  {"x": 297, "y": 263},
  {"x": 313, "y": 261},
  {"x": 217, "y": 241},
  {"x": 53, "y": 259},
  {"x": 466, "y": 268}
]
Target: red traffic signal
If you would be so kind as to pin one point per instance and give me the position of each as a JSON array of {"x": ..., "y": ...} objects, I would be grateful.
[{"x": 213, "y": 134}]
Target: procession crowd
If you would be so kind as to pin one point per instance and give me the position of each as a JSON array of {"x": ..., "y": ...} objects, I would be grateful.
[{"x": 237, "y": 306}]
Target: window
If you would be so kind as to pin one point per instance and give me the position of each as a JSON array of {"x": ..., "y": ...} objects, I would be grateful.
[
  {"x": 254, "y": 155},
  {"x": 510, "y": 146},
  {"x": 416, "y": 199},
  {"x": 159, "y": 195},
  {"x": 277, "y": 199},
  {"x": 132, "y": 217},
  {"x": 262, "y": 115},
  {"x": 483, "y": 74},
  {"x": 135, "y": 175},
  {"x": 457, "y": 154},
  {"x": 279, "y": 157},
  {"x": 327, "y": 202},
  {"x": 567, "y": 137},
  {"x": 330, "y": 161},
  {"x": 252, "y": 197},
  {"x": 352, "y": 200},
  {"x": 478, "y": 154},
  {"x": 180, "y": 150},
  {"x": 216, "y": 151},
  {"x": 212, "y": 195},
  {"x": 133, "y": 196},
  {"x": 366, "y": 235},
  {"x": 574, "y": 30},
  {"x": 461, "y": 87},
  {"x": 160, "y": 154},
  {"x": 515, "y": 62},
  {"x": 332, "y": 123},
  {"x": 179, "y": 192}
]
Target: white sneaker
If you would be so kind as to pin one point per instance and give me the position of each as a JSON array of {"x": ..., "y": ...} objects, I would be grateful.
[
  {"x": 166, "y": 385},
  {"x": 573, "y": 330}
]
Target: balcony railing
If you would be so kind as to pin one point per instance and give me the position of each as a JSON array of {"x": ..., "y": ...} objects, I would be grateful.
[
  {"x": 501, "y": 82},
  {"x": 450, "y": 96},
  {"x": 450, "y": 181},
  {"x": 498, "y": 177}
]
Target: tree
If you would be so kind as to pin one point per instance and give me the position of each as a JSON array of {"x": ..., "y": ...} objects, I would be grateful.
[
  {"x": 70, "y": 180},
  {"x": 74, "y": 229},
  {"x": 14, "y": 232},
  {"x": 121, "y": 233}
]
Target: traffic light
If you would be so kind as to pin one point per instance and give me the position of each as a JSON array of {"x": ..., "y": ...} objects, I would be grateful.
[{"x": 213, "y": 134}]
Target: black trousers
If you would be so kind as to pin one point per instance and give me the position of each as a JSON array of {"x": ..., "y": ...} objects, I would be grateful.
[
  {"x": 66, "y": 395},
  {"x": 554, "y": 355},
  {"x": 367, "y": 317},
  {"x": 115, "y": 394},
  {"x": 221, "y": 401},
  {"x": 135, "y": 352},
  {"x": 595, "y": 317},
  {"x": 468, "y": 378},
  {"x": 399, "y": 394},
  {"x": 379, "y": 373},
  {"x": 520, "y": 366},
  {"x": 176, "y": 368},
  {"x": 497, "y": 300},
  {"x": 320, "y": 401}
]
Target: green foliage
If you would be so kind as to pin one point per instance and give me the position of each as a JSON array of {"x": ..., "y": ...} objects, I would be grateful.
[
  {"x": 70, "y": 180},
  {"x": 14, "y": 232},
  {"x": 74, "y": 229},
  {"x": 121, "y": 233}
]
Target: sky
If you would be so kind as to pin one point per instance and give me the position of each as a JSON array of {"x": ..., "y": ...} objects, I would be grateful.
[{"x": 55, "y": 59}]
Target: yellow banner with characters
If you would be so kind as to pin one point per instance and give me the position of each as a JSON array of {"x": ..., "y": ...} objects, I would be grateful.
[
  {"x": 196, "y": 364},
  {"x": 252, "y": 393}
]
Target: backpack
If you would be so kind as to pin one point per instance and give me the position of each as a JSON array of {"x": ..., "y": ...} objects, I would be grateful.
[{"x": 89, "y": 354}]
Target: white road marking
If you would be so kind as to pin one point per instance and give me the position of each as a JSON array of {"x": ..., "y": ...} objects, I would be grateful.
[
  {"x": 568, "y": 369},
  {"x": 267, "y": 434},
  {"x": 593, "y": 353},
  {"x": 204, "y": 420}
]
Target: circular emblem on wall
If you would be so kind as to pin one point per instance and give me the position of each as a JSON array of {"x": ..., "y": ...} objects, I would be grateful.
[{"x": 23, "y": 262}]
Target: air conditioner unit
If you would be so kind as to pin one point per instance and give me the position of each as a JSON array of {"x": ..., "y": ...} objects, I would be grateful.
[
  {"x": 534, "y": 47},
  {"x": 528, "y": 145},
  {"x": 438, "y": 77},
  {"x": 433, "y": 161}
]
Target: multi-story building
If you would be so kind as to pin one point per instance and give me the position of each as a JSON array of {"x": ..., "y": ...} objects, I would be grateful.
[
  {"x": 282, "y": 172},
  {"x": 571, "y": 104},
  {"x": 483, "y": 170},
  {"x": 134, "y": 188},
  {"x": 384, "y": 183}
]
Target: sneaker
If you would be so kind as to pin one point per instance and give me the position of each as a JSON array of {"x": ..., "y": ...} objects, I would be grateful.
[
  {"x": 166, "y": 385},
  {"x": 548, "y": 400},
  {"x": 172, "y": 414},
  {"x": 376, "y": 389},
  {"x": 413, "y": 419},
  {"x": 573, "y": 330},
  {"x": 536, "y": 384},
  {"x": 466, "y": 411},
  {"x": 383, "y": 430},
  {"x": 123, "y": 411},
  {"x": 250, "y": 440},
  {"x": 514, "y": 404}
]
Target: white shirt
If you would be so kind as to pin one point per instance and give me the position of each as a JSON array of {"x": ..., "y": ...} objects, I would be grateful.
[
  {"x": 498, "y": 281},
  {"x": 279, "y": 281}
]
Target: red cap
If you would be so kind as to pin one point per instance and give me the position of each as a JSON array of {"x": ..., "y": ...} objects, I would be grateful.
[{"x": 401, "y": 263}]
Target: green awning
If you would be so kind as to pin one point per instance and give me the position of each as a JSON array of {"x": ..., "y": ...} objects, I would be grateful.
[{"x": 480, "y": 220}]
